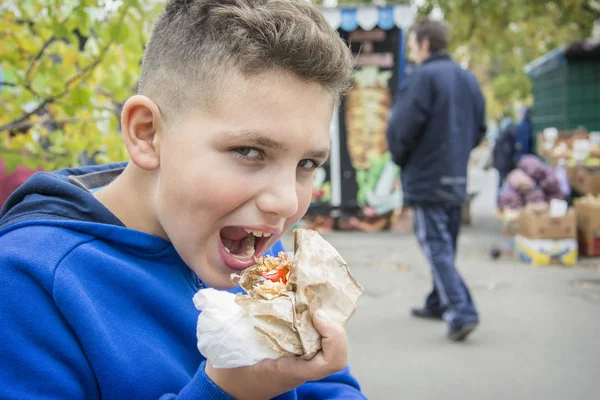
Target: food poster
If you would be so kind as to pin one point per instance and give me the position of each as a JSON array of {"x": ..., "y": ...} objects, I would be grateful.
[{"x": 371, "y": 190}]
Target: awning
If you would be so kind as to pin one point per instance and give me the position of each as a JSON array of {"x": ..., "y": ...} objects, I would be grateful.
[
  {"x": 587, "y": 49},
  {"x": 369, "y": 17}
]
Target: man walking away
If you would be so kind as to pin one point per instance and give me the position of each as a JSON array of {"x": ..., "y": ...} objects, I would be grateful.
[
  {"x": 524, "y": 136},
  {"x": 437, "y": 119}
]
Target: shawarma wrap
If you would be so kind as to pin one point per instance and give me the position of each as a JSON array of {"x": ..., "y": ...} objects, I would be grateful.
[{"x": 281, "y": 295}]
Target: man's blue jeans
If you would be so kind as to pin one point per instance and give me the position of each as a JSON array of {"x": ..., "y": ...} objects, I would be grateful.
[{"x": 437, "y": 229}]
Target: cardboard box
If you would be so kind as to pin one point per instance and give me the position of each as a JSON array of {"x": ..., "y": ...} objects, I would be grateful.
[
  {"x": 586, "y": 181},
  {"x": 588, "y": 216},
  {"x": 588, "y": 225},
  {"x": 589, "y": 244},
  {"x": 572, "y": 175},
  {"x": 543, "y": 226},
  {"x": 546, "y": 251}
]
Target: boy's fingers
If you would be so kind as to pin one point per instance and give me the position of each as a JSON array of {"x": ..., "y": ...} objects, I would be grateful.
[
  {"x": 334, "y": 341},
  {"x": 332, "y": 358}
]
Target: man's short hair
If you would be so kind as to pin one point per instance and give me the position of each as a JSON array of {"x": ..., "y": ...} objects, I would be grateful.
[
  {"x": 196, "y": 44},
  {"x": 437, "y": 32}
]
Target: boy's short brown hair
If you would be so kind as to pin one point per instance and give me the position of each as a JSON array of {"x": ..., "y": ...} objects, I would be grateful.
[
  {"x": 437, "y": 32},
  {"x": 195, "y": 44}
]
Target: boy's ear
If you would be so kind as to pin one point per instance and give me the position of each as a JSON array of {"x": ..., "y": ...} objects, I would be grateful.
[{"x": 141, "y": 123}]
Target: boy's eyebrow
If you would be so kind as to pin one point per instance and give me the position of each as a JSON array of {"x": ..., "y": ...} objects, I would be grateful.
[
  {"x": 254, "y": 137},
  {"x": 263, "y": 141},
  {"x": 320, "y": 154}
]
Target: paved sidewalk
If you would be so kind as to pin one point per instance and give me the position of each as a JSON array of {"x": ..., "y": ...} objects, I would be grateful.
[{"x": 539, "y": 336}]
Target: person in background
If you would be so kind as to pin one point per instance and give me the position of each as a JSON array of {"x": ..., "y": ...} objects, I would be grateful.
[
  {"x": 524, "y": 136},
  {"x": 437, "y": 119},
  {"x": 504, "y": 151}
]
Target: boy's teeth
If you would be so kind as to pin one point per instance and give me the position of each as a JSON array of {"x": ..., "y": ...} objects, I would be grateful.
[{"x": 257, "y": 233}]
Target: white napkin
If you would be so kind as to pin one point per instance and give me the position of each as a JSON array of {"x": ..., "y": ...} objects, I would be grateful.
[{"x": 225, "y": 332}]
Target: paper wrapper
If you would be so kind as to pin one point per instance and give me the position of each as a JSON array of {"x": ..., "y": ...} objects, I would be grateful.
[{"x": 319, "y": 279}]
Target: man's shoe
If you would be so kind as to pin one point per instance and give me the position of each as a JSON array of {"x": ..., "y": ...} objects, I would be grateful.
[
  {"x": 460, "y": 333},
  {"x": 426, "y": 313}
]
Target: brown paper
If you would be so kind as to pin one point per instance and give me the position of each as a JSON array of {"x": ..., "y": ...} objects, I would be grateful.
[
  {"x": 319, "y": 279},
  {"x": 274, "y": 319}
]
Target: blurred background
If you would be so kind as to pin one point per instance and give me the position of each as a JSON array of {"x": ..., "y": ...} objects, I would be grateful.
[{"x": 66, "y": 67}]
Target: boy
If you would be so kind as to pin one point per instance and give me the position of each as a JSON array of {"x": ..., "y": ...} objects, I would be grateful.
[{"x": 100, "y": 264}]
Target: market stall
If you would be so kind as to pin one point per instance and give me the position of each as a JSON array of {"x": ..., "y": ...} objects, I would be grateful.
[
  {"x": 566, "y": 87},
  {"x": 359, "y": 188},
  {"x": 549, "y": 205}
]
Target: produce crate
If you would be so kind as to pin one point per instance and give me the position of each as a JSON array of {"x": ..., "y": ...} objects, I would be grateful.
[
  {"x": 588, "y": 225},
  {"x": 546, "y": 251}
]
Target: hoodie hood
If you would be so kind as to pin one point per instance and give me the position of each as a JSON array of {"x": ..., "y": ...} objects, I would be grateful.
[
  {"x": 51, "y": 196},
  {"x": 64, "y": 198}
]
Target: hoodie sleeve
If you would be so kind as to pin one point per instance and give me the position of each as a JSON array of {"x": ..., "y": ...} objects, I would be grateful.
[
  {"x": 409, "y": 116},
  {"x": 199, "y": 388},
  {"x": 40, "y": 357},
  {"x": 340, "y": 385},
  {"x": 337, "y": 386}
]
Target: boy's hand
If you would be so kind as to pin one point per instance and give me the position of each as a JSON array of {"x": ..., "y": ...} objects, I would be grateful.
[{"x": 270, "y": 378}]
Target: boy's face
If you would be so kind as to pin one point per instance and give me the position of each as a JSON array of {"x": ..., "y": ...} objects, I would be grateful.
[{"x": 245, "y": 165}]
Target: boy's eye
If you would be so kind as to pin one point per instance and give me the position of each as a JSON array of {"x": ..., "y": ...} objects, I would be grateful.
[
  {"x": 249, "y": 153},
  {"x": 308, "y": 164}
]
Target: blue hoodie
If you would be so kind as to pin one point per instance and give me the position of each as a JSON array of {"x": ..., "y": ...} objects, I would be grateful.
[{"x": 90, "y": 309}]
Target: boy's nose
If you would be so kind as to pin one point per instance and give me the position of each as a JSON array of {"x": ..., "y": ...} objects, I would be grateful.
[{"x": 279, "y": 197}]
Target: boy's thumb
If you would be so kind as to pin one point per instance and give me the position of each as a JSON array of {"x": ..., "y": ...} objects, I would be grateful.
[
  {"x": 334, "y": 341},
  {"x": 324, "y": 324}
]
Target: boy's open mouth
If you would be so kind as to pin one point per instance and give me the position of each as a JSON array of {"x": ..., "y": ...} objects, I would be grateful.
[{"x": 241, "y": 246}]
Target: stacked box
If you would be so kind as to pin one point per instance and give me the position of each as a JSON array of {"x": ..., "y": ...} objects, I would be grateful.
[
  {"x": 587, "y": 181},
  {"x": 588, "y": 225},
  {"x": 546, "y": 240}
]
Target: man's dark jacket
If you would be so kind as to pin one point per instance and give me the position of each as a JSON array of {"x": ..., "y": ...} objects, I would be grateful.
[{"x": 437, "y": 119}]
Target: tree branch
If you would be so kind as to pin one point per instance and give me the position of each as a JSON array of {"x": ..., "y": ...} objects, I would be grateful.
[
  {"x": 58, "y": 122},
  {"x": 4, "y": 83},
  {"x": 17, "y": 122},
  {"x": 39, "y": 55},
  {"x": 81, "y": 75},
  {"x": 46, "y": 158},
  {"x": 595, "y": 13}
]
